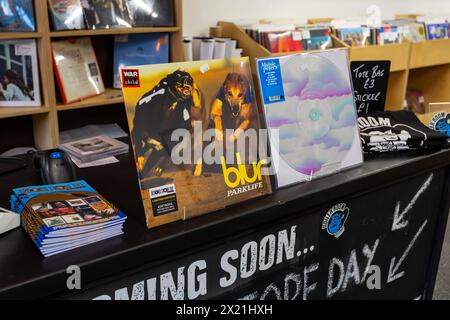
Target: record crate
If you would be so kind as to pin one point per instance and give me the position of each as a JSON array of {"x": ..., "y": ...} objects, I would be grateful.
[{"x": 398, "y": 54}]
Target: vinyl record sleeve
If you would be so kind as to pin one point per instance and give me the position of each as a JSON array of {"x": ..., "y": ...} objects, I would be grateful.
[
  {"x": 66, "y": 14},
  {"x": 17, "y": 16},
  {"x": 139, "y": 49},
  {"x": 151, "y": 13},
  {"x": 106, "y": 14},
  {"x": 310, "y": 114},
  {"x": 437, "y": 31},
  {"x": 66, "y": 216},
  {"x": 77, "y": 70},
  {"x": 167, "y": 99},
  {"x": 19, "y": 74}
]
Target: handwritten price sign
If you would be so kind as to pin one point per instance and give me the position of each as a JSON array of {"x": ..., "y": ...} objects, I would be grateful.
[{"x": 370, "y": 82}]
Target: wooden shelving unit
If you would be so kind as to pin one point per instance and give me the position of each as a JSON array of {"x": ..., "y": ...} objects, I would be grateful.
[
  {"x": 423, "y": 66},
  {"x": 430, "y": 70},
  {"x": 45, "y": 118}
]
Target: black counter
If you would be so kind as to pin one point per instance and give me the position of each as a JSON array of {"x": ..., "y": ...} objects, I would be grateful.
[{"x": 27, "y": 274}]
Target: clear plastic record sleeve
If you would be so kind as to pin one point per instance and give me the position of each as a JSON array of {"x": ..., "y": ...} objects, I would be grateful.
[
  {"x": 77, "y": 69},
  {"x": 310, "y": 114}
]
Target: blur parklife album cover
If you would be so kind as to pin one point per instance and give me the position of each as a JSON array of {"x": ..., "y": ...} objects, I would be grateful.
[
  {"x": 308, "y": 102},
  {"x": 196, "y": 138}
]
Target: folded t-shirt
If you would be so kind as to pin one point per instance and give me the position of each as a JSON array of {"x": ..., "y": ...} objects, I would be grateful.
[{"x": 384, "y": 131}]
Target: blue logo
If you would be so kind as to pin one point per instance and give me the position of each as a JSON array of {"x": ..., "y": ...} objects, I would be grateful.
[
  {"x": 443, "y": 125},
  {"x": 334, "y": 221},
  {"x": 56, "y": 155}
]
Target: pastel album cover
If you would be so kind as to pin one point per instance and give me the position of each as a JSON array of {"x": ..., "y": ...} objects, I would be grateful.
[{"x": 317, "y": 121}]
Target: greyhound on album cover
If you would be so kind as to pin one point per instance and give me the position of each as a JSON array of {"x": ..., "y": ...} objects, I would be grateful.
[{"x": 208, "y": 97}]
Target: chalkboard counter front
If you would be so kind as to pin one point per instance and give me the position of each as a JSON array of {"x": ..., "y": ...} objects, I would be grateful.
[{"x": 372, "y": 232}]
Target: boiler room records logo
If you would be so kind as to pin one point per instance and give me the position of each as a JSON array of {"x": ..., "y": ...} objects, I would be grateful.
[
  {"x": 334, "y": 221},
  {"x": 441, "y": 123}
]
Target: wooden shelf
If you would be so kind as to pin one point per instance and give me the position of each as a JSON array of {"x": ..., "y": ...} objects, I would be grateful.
[
  {"x": 397, "y": 53},
  {"x": 111, "y": 96},
  {"x": 19, "y": 35},
  {"x": 430, "y": 53},
  {"x": 101, "y": 32},
  {"x": 10, "y": 112}
]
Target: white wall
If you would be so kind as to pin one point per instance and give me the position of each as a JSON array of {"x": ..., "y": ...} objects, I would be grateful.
[{"x": 199, "y": 15}]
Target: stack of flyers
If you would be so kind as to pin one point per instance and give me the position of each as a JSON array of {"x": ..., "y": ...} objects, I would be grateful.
[
  {"x": 66, "y": 216},
  {"x": 95, "y": 148}
]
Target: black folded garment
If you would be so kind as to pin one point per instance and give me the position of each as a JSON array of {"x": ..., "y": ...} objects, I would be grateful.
[{"x": 384, "y": 131}]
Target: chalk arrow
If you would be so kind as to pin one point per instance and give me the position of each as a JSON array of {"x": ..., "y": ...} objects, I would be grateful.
[
  {"x": 399, "y": 218},
  {"x": 393, "y": 270}
]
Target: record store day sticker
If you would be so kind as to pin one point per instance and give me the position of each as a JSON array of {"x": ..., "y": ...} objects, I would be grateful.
[
  {"x": 164, "y": 199},
  {"x": 271, "y": 81}
]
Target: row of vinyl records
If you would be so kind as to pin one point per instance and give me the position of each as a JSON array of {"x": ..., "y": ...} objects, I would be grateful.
[
  {"x": 297, "y": 37},
  {"x": 75, "y": 65},
  {"x": 18, "y": 15}
]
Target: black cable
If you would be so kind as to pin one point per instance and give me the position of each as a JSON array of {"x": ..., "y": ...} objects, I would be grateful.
[{"x": 16, "y": 163}]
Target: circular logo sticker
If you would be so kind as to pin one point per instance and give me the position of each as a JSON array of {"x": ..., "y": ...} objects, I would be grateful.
[
  {"x": 334, "y": 221},
  {"x": 441, "y": 123}
]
